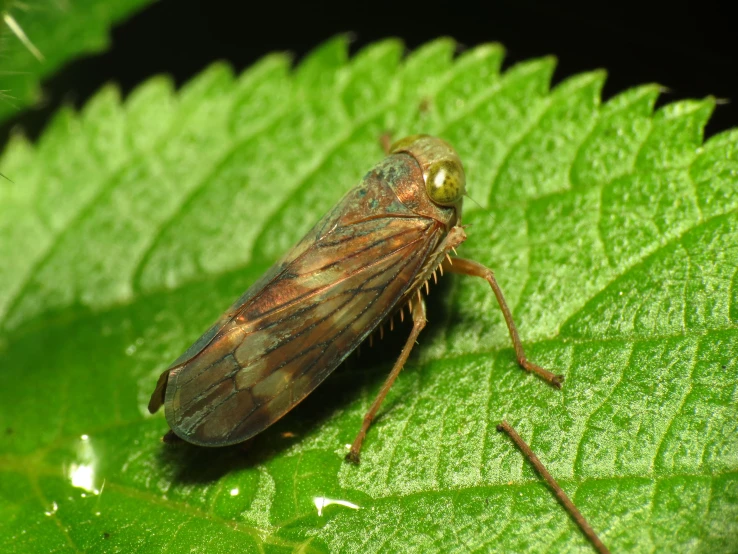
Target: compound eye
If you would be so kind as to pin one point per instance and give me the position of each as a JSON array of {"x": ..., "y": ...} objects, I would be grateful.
[{"x": 445, "y": 182}]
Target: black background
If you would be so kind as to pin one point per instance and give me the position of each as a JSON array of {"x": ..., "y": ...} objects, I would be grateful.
[{"x": 689, "y": 47}]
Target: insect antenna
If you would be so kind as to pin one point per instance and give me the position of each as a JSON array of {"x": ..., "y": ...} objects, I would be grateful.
[{"x": 470, "y": 198}]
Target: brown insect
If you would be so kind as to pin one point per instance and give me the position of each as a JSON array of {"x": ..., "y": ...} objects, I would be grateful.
[{"x": 366, "y": 260}]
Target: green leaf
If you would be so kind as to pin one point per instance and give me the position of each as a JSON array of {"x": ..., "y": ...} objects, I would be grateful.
[
  {"x": 613, "y": 231},
  {"x": 37, "y": 37}
]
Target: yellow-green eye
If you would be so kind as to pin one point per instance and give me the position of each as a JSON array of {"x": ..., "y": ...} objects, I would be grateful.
[{"x": 445, "y": 182}]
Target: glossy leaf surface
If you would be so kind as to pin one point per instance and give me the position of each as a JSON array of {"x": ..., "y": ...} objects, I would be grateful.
[{"x": 613, "y": 231}]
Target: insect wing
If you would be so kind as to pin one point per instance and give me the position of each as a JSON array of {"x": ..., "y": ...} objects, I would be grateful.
[{"x": 295, "y": 326}]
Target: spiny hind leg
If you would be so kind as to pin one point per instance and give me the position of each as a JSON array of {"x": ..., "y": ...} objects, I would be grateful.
[
  {"x": 475, "y": 269},
  {"x": 418, "y": 311}
]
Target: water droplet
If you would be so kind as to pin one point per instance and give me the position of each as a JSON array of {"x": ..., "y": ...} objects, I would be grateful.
[
  {"x": 54, "y": 508},
  {"x": 321, "y": 502},
  {"x": 81, "y": 473},
  {"x": 82, "y": 476}
]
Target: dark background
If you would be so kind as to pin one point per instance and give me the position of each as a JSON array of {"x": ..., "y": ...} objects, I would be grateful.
[{"x": 689, "y": 47}]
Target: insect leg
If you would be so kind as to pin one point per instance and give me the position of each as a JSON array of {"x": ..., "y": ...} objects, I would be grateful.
[
  {"x": 386, "y": 141},
  {"x": 558, "y": 491},
  {"x": 419, "y": 321},
  {"x": 475, "y": 269}
]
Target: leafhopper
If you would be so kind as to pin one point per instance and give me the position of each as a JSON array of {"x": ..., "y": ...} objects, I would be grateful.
[{"x": 369, "y": 258}]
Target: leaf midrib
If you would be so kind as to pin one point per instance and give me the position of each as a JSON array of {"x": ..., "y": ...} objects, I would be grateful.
[{"x": 30, "y": 466}]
